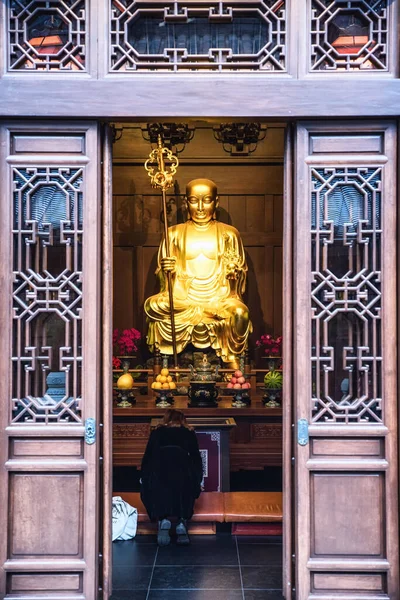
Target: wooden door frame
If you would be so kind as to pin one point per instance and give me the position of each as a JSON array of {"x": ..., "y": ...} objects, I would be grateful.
[{"x": 287, "y": 296}]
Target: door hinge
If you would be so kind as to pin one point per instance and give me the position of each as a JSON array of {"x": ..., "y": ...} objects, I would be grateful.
[
  {"x": 302, "y": 432},
  {"x": 90, "y": 431}
]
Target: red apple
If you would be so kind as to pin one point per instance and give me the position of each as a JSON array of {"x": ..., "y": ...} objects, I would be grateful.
[
  {"x": 237, "y": 386},
  {"x": 238, "y": 374},
  {"x": 246, "y": 386},
  {"x": 233, "y": 380},
  {"x": 230, "y": 385},
  {"x": 241, "y": 380}
]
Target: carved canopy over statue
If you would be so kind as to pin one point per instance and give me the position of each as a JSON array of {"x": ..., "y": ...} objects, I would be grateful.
[{"x": 208, "y": 267}]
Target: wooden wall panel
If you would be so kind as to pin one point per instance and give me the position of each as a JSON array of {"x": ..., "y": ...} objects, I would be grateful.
[
  {"x": 341, "y": 528},
  {"x": 30, "y": 447},
  {"x": 46, "y": 583},
  {"x": 349, "y": 583},
  {"x": 356, "y": 448},
  {"x": 38, "y": 526}
]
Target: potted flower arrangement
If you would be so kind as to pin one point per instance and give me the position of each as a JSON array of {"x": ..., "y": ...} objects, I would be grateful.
[
  {"x": 272, "y": 346},
  {"x": 124, "y": 346},
  {"x": 273, "y": 379}
]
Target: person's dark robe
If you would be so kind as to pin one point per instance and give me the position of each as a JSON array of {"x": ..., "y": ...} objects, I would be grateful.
[{"x": 171, "y": 473}]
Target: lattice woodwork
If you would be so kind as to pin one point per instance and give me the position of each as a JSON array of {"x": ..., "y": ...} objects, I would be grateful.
[
  {"x": 349, "y": 35},
  {"x": 346, "y": 294},
  {"x": 47, "y": 294},
  {"x": 192, "y": 36},
  {"x": 47, "y": 35}
]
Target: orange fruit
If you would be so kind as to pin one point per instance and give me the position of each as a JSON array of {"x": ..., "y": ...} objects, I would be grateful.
[
  {"x": 157, "y": 385},
  {"x": 164, "y": 372},
  {"x": 163, "y": 379},
  {"x": 169, "y": 378},
  {"x": 165, "y": 386},
  {"x": 172, "y": 385},
  {"x": 158, "y": 378}
]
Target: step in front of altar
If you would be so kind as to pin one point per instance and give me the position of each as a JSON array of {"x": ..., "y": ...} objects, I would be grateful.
[{"x": 251, "y": 513}]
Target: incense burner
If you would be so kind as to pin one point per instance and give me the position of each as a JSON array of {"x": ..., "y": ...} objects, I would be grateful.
[{"x": 202, "y": 391}]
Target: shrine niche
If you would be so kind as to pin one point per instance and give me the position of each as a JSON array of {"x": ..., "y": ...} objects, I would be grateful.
[
  {"x": 193, "y": 36},
  {"x": 349, "y": 36},
  {"x": 250, "y": 199},
  {"x": 47, "y": 36}
]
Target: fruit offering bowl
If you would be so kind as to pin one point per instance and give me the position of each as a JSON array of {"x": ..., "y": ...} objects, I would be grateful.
[
  {"x": 239, "y": 388},
  {"x": 163, "y": 381}
]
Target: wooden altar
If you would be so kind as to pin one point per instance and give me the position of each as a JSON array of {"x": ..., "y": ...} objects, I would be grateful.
[{"x": 255, "y": 443}]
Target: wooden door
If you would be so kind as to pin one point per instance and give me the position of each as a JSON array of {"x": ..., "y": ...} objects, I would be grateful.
[
  {"x": 346, "y": 529},
  {"x": 49, "y": 360}
]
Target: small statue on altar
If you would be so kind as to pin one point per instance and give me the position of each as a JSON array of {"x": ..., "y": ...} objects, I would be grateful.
[{"x": 208, "y": 268}]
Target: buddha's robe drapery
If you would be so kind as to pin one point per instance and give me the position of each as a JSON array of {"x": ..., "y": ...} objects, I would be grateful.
[{"x": 209, "y": 311}]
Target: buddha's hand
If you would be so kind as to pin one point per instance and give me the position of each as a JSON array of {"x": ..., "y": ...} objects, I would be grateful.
[
  {"x": 232, "y": 271},
  {"x": 168, "y": 264}
]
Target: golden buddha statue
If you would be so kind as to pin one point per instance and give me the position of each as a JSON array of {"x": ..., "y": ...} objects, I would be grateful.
[{"x": 208, "y": 268}]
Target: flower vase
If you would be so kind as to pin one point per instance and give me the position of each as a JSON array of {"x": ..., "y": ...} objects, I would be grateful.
[{"x": 273, "y": 382}]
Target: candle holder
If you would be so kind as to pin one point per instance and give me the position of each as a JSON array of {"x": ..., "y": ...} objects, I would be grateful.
[
  {"x": 272, "y": 397},
  {"x": 241, "y": 397},
  {"x": 126, "y": 398},
  {"x": 165, "y": 398}
]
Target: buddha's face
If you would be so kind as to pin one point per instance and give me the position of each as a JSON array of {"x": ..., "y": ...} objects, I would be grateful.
[{"x": 202, "y": 201}]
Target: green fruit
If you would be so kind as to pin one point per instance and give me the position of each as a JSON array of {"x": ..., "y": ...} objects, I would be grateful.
[{"x": 273, "y": 380}]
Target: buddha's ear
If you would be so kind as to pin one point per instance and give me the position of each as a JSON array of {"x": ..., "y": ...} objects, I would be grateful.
[
  {"x": 216, "y": 206},
  {"x": 185, "y": 208}
]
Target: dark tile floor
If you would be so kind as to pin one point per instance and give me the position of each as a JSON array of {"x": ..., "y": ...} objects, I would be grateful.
[{"x": 220, "y": 567}]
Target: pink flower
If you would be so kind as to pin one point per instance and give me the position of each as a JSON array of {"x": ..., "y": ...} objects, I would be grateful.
[
  {"x": 126, "y": 342},
  {"x": 271, "y": 346}
]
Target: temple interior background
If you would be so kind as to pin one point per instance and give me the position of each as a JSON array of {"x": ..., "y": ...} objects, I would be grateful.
[{"x": 250, "y": 190}]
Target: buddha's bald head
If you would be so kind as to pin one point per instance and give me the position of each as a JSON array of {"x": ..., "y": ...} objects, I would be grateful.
[
  {"x": 202, "y": 200},
  {"x": 204, "y": 184}
]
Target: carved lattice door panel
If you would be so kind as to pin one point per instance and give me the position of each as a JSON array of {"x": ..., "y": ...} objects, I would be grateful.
[
  {"x": 49, "y": 360},
  {"x": 345, "y": 362}
]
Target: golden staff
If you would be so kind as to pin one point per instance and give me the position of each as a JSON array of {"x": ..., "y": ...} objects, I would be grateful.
[{"x": 161, "y": 177}]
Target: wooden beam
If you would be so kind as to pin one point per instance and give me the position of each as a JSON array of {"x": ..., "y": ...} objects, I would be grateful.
[{"x": 242, "y": 96}]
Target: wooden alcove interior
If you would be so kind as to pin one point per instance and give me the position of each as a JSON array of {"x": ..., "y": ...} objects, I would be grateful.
[{"x": 250, "y": 188}]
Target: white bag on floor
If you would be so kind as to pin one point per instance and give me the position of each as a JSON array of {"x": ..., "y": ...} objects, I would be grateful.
[{"x": 124, "y": 520}]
